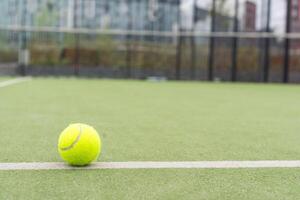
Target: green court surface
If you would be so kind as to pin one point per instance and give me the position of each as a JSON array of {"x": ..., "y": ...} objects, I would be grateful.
[
  {"x": 148, "y": 121},
  {"x": 4, "y": 78},
  {"x": 152, "y": 184}
]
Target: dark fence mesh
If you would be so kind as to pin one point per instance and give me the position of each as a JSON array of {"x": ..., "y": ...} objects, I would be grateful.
[{"x": 164, "y": 38}]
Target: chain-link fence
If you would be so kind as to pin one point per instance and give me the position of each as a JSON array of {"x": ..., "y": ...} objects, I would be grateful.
[{"x": 230, "y": 40}]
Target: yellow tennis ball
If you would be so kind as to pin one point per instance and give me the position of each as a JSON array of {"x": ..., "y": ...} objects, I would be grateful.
[{"x": 79, "y": 144}]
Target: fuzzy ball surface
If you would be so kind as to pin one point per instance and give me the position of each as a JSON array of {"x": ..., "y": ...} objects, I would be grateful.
[{"x": 79, "y": 144}]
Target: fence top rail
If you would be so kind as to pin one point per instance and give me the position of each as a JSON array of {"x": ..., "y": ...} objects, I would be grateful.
[{"x": 117, "y": 32}]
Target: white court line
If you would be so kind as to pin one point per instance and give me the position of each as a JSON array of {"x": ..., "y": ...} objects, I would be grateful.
[
  {"x": 14, "y": 81},
  {"x": 154, "y": 165}
]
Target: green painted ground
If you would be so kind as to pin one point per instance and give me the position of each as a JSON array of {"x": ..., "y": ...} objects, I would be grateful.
[
  {"x": 3, "y": 78},
  {"x": 152, "y": 121},
  {"x": 152, "y": 184}
]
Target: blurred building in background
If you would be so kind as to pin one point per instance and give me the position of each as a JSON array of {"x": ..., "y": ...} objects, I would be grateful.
[
  {"x": 249, "y": 18},
  {"x": 202, "y": 20},
  {"x": 295, "y": 15},
  {"x": 9, "y": 12},
  {"x": 160, "y": 15},
  {"x": 295, "y": 24}
]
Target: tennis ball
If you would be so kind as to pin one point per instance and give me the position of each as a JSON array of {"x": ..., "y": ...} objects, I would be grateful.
[{"x": 79, "y": 144}]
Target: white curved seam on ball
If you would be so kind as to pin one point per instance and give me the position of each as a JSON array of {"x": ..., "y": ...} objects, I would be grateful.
[{"x": 75, "y": 142}]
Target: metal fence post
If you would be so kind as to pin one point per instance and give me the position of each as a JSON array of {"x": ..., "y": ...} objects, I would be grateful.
[
  {"x": 178, "y": 56},
  {"x": 193, "y": 58},
  {"x": 267, "y": 46},
  {"x": 178, "y": 46},
  {"x": 23, "y": 51},
  {"x": 128, "y": 44},
  {"x": 193, "y": 44},
  {"x": 235, "y": 43},
  {"x": 287, "y": 44},
  {"x": 77, "y": 39},
  {"x": 212, "y": 42}
]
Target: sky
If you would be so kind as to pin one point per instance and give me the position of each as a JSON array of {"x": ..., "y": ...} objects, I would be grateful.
[{"x": 277, "y": 12}]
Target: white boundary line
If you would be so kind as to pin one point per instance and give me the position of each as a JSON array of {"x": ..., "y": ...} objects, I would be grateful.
[
  {"x": 155, "y": 165},
  {"x": 14, "y": 81}
]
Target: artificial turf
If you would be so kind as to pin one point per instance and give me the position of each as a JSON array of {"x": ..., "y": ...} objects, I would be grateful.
[
  {"x": 147, "y": 121},
  {"x": 4, "y": 78},
  {"x": 152, "y": 184}
]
